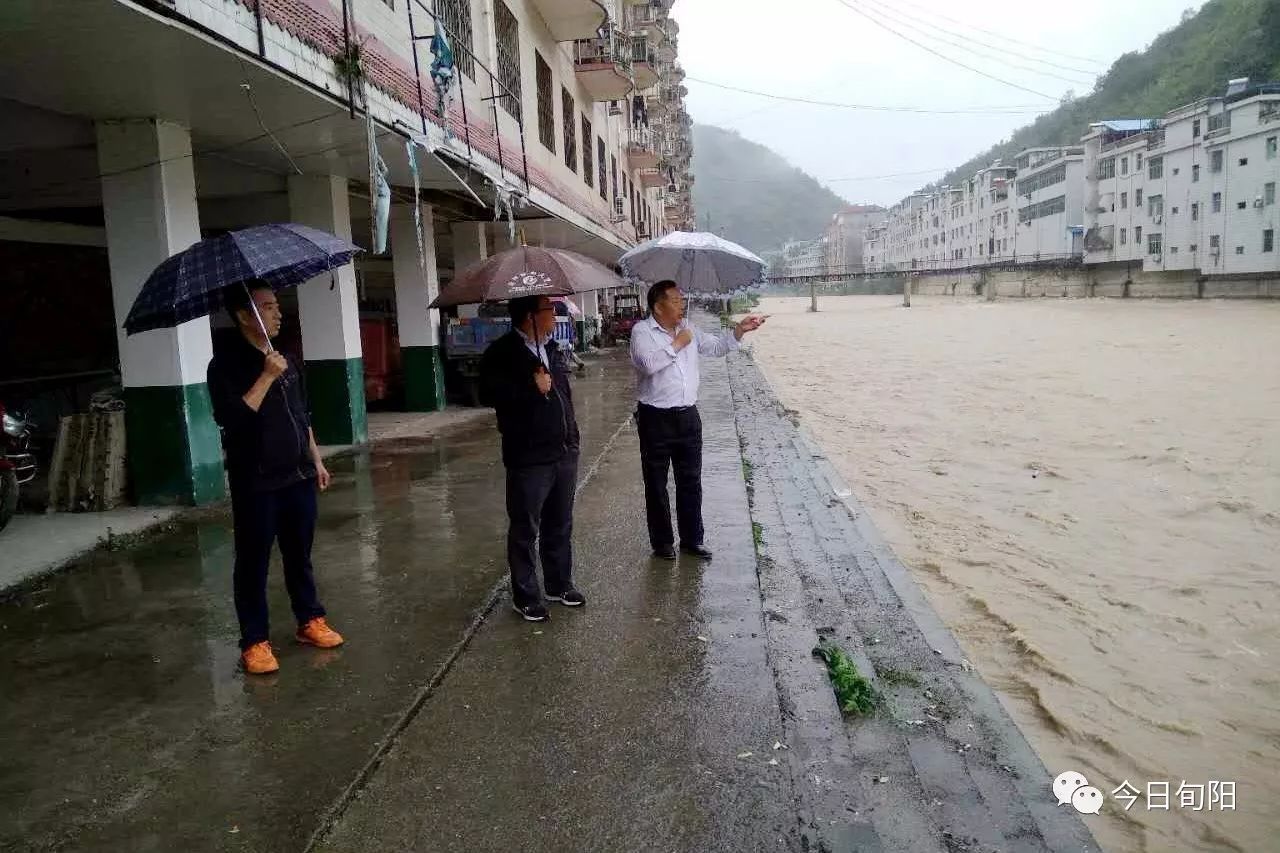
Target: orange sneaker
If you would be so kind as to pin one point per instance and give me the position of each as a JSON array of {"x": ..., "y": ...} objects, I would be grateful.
[
  {"x": 318, "y": 633},
  {"x": 258, "y": 659}
]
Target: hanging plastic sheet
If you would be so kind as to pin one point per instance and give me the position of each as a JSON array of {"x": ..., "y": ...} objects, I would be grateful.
[
  {"x": 381, "y": 206},
  {"x": 443, "y": 74},
  {"x": 411, "y": 150}
]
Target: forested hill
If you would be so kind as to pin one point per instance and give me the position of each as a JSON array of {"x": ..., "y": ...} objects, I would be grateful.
[{"x": 1224, "y": 40}]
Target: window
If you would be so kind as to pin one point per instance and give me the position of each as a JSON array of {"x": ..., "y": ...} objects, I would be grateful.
[
  {"x": 1155, "y": 244},
  {"x": 456, "y": 17},
  {"x": 1042, "y": 209},
  {"x": 1124, "y": 236},
  {"x": 546, "y": 107},
  {"x": 1244, "y": 161},
  {"x": 1106, "y": 168},
  {"x": 1137, "y": 198},
  {"x": 1195, "y": 211},
  {"x": 1215, "y": 242},
  {"x": 508, "y": 42},
  {"x": 1269, "y": 193},
  {"x": 1056, "y": 175},
  {"x": 613, "y": 164},
  {"x": 1155, "y": 168},
  {"x": 1195, "y": 129},
  {"x": 1271, "y": 147},
  {"x": 1217, "y": 202},
  {"x": 588, "y": 161},
  {"x": 1194, "y": 247},
  {"x": 1269, "y": 240},
  {"x": 1174, "y": 212},
  {"x": 1137, "y": 235},
  {"x": 1124, "y": 201},
  {"x": 1215, "y": 161},
  {"x": 570, "y": 129},
  {"x": 1155, "y": 206},
  {"x": 600, "y": 164},
  {"x": 1241, "y": 205},
  {"x": 1173, "y": 250},
  {"x": 1239, "y": 250},
  {"x": 1137, "y": 167},
  {"x": 1124, "y": 165},
  {"x": 1195, "y": 174}
]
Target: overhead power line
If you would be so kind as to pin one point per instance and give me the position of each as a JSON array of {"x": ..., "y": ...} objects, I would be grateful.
[
  {"x": 856, "y": 10},
  {"x": 1018, "y": 109},
  {"x": 1004, "y": 37},
  {"x": 918, "y": 25}
]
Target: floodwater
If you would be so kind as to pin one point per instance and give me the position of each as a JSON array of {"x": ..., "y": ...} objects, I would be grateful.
[{"x": 1089, "y": 493}]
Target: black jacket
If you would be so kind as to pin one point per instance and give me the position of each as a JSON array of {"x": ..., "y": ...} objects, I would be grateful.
[
  {"x": 536, "y": 429},
  {"x": 268, "y": 449}
]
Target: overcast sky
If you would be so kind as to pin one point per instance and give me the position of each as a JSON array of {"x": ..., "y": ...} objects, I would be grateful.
[{"x": 823, "y": 50}]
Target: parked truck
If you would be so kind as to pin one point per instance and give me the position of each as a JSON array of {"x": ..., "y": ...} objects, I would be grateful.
[{"x": 466, "y": 339}]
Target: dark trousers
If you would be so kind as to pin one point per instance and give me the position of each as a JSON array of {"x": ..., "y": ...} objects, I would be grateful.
[
  {"x": 540, "y": 511},
  {"x": 285, "y": 515},
  {"x": 671, "y": 437}
]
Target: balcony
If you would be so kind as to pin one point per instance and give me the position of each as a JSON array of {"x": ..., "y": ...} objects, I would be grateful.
[
  {"x": 644, "y": 62},
  {"x": 651, "y": 179},
  {"x": 572, "y": 19},
  {"x": 642, "y": 151},
  {"x": 603, "y": 66}
]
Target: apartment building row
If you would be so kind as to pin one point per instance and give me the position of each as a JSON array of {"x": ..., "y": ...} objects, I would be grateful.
[
  {"x": 1192, "y": 191},
  {"x": 157, "y": 122}
]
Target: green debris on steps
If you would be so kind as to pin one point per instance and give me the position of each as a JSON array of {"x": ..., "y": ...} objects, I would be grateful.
[{"x": 854, "y": 692}]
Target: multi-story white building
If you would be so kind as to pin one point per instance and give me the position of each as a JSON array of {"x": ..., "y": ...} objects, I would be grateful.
[
  {"x": 1049, "y": 191},
  {"x": 804, "y": 258},
  {"x": 1195, "y": 191},
  {"x": 845, "y": 236}
]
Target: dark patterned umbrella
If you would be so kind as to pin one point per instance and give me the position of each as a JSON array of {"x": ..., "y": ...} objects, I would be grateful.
[
  {"x": 526, "y": 271},
  {"x": 190, "y": 284}
]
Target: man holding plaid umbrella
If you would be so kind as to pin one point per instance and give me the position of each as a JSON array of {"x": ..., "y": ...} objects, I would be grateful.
[{"x": 275, "y": 470}]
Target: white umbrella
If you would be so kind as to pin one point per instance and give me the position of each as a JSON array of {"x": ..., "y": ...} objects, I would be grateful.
[{"x": 696, "y": 261}]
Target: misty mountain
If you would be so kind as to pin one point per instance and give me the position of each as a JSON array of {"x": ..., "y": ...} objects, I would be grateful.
[
  {"x": 1225, "y": 39},
  {"x": 752, "y": 195}
]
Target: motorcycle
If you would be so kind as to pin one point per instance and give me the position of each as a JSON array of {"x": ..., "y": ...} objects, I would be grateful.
[{"x": 17, "y": 463}]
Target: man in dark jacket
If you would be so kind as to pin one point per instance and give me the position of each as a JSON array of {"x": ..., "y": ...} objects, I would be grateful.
[
  {"x": 274, "y": 468},
  {"x": 524, "y": 375}
]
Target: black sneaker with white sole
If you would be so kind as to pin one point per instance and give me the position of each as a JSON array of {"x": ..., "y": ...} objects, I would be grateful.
[
  {"x": 532, "y": 612},
  {"x": 571, "y": 598}
]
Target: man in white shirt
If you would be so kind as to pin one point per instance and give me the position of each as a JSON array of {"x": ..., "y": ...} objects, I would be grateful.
[{"x": 665, "y": 351}]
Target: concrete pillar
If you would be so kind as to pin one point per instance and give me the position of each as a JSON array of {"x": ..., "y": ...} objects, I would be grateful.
[
  {"x": 149, "y": 203},
  {"x": 330, "y": 318},
  {"x": 470, "y": 244},
  {"x": 417, "y": 284}
]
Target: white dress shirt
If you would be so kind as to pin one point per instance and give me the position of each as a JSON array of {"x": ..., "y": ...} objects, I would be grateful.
[{"x": 667, "y": 378}]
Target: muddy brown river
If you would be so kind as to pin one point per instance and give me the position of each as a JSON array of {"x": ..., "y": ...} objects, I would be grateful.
[{"x": 1089, "y": 493}]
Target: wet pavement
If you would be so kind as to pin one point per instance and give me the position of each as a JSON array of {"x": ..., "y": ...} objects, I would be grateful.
[
  {"x": 124, "y": 723},
  {"x": 647, "y": 720}
]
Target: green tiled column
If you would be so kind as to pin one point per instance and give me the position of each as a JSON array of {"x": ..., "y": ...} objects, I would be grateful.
[
  {"x": 423, "y": 379},
  {"x": 335, "y": 390},
  {"x": 173, "y": 446}
]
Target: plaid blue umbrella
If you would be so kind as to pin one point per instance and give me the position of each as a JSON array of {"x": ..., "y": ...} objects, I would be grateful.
[{"x": 191, "y": 283}]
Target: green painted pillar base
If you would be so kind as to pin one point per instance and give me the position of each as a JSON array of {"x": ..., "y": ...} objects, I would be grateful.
[
  {"x": 335, "y": 390},
  {"x": 174, "y": 449},
  {"x": 423, "y": 379}
]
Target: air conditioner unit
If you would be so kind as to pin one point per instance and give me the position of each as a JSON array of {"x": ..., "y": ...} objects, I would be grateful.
[
  {"x": 1159, "y": 220},
  {"x": 615, "y": 108}
]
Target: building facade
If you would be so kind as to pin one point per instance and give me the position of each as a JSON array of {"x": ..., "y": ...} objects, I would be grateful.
[
  {"x": 846, "y": 234},
  {"x": 1194, "y": 190},
  {"x": 559, "y": 123}
]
